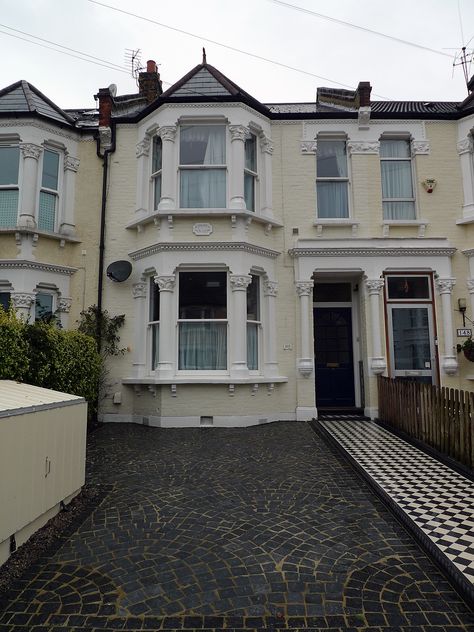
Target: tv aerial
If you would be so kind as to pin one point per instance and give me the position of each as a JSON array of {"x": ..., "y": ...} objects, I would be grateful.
[{"x": 134, "y": 62}]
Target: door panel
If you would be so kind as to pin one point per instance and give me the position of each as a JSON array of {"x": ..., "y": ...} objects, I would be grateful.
[{"x": 333, "y": 357}]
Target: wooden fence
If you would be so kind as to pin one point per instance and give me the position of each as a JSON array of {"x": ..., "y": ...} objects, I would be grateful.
[{"x": 443, "y": 418}]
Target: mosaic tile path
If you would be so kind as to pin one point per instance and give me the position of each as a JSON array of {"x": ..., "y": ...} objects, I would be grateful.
[
  {"x": 436, "y": 499},
  {"x": 233, "y": 529}
]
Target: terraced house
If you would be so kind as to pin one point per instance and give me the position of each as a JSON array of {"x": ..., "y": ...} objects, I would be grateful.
[{"x": 280, "y": 256}]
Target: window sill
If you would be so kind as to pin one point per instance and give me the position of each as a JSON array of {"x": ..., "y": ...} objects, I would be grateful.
[
  {"x": 18, "y": 232},
  {"x": 157, "y": 216},
  {"x": 404, "y": 223},
  {"x": 465, "y": 220},
  {"x": 205, "y": 379},
  {"x": 336, "y": 222}
]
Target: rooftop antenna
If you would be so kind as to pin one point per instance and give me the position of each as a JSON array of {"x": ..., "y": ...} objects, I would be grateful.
[
  {"x": 134, "y": 62},
  {"x": 204, "y": 56},
  {"x": 465, "y": 57}
]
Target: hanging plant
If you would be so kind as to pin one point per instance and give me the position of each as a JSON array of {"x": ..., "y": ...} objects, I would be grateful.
[{"x": 467, "y": 348}]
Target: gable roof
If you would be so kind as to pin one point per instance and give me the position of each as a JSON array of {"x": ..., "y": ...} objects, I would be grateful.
[{"x": 22, "y": 98}]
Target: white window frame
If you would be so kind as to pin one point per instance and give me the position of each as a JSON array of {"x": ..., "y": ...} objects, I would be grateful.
[
  {"x": 55, "y": 192},
  {"x": 258, "y": 323},
  {"x": 408, "y": 141},
  {"x": 46, "y": 292},
  {"x": 11, "y": 186},
  {"x": 153, "y": 326},
  {"x": 154, "y": 175},
  {"x": 251, "y": 173},
  {"x": 347, "y": 179}
]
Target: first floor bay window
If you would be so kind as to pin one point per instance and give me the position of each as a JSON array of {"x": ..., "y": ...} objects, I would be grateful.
[
  {"x": 202, "y": 159},
  {"x": 9, "y": 164},
  {"x": 397, "y": 181},
  {"x": 156, "y": 165},
  {"x": 202, "y": 321},
  {"x": 48, "y": 201},
  {"x": 250, "y": 173}
]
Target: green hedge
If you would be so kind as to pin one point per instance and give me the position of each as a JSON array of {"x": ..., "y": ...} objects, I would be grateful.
[{"x": 43, "y": 355}]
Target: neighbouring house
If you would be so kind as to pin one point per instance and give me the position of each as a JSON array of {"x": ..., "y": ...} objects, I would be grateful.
[{"x": 282, "y": 255}]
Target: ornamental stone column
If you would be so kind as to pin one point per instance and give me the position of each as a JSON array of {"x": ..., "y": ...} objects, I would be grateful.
[
  {"x": 168, "y": 172},
  {"x": 465, "y": 149},
  {"x": 449, "y": 361},
  {"x": 63, "y": 308},
  {"x": 29, "y": 187},
  {"x": 142, "y": 153},
  {"x": 374, "y": 288},
  {"x": 266, "y": 148},
  {"x": 470, "y": 287},
  {"x": 238, "y": 331},
  {"x": 166, "y": 284},
  {"x": 67, "y": 225},
  {"x": 238, "y": 134},
  {"x": 139, "y": 291},
  {"x": 270, "y": 291},
  {"x": 306, "y": 362},
  {"x": 22, "y": 303}
]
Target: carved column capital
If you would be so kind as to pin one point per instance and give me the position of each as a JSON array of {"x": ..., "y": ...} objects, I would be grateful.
[
  {"x": 445, "y": 286},
  {"x": 304, "y": 288},
  {"x": 64, "y": 304},
  {"x": 139, "y": 290},
  {"x": 363, "y": 147},
  {"x": 239, "y": 282},
  {"x": 143, "y": 147},
  {"x": 470, "y": 285},
  {"x": 30, "y": 150},
  {"x": 270, "y": 288},
  {"x": 166, "y": 282},
  {"x": 168, "y": 132},
  {"x": 420, "y": 147},
  {"x": 71, "y": 163},
  {"x": 465, "y": 145},
  {"x": 266, "y": 145},
  {"x": 309, "y": 146},
  {"x": 238, "y": 132},
  {"x": 374, "y": 286},
  {"x": 22, "y": 300}
]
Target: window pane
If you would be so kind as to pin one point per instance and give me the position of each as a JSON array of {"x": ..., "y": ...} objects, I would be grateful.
[
  {"x": 156, "y": 191},
  {"x": 50, "y": 170},
  {"x": 252, "y": 346},
  {"x": 9, "y": 161},
  {"x": 408, "y": 287},
  {"x": 155, "y": 345},
  {"x": 331, "y": 159},
  {"x": 5, "y": 300},
  {"x": 202, "y": 189},
  {"x": 253, "y": 299},
  {"x": 251, "y": 153},
  {"x": 43, "y": 306},
  {"x": 395, "y": 148},
  {"x": 411, "y": 338},
  {"x": 202, "y": 145},
  {"x": 332, "y": 199},
  {"x": 47, "y": 211},
  {"x": 249, "y": 191},
  {"x": 203, "y": 346},
  {"x": 202, "y": 295},
  {"x": 157, "y": 154},
  {"x": 332, "y": 292},
  {"x": 398, "y": 210},
  {"x": 154, "y": 301},
  {"x": 8, "y": 208},
  {"x": 396, "y": 179}
]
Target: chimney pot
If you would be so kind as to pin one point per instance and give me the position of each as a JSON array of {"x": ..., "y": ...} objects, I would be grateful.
[
  {"x": 149, "y": 82},
  {"x": 151, "y": 65}
]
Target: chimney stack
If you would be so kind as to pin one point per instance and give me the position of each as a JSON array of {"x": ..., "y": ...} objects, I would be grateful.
[
  {"x": 363, "y": 93},
  {"x": 105, "y": 98},
  {"x": 149, "y": 82}
]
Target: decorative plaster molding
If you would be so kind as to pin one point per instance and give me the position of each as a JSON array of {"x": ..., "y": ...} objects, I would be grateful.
[
  {"x": 420, "y": 147},
  {"x": 36, "y": 265},
  {"x": 364, "y": 117},
  {"x": 371, "y": 252},
  {"x": 378, "y": 365},
  {"x": 30, "y": 150},
  {"x": 139, "y": 290},
  {"x": 469, "y": 252},
  {"x": 304, "y": 288},
  {"x": 202, "y": 228},
  {"x": 305, "y": 367},
  {"x": 465, "y": 145},
  {"x": 22, "y": 300},
  {"x": 220, "y": 106},
  {"x": 445, "y": 286},
  {"x": 266, "y": 145},
  {"x": 363, "y": 147},
  {"x": 309, "y": 146},
  {"x": 64, "y": 304},
  {"x": 470, "y": 285},
  {"x": 238, "y": 132},
  {"x": 374, "y": 286},
  {"x": 143, "y": 147},
  {"x": 51, "y": 130},
  {"x": 71, "y": 163},
  {"x": 168, "y": 132},
  {"x": 166, "y": 282},
  {"x": 239, "y": 282},
  {"x": 270, "y": 288},
  {"x": 449, "y": 364},
  {"x": 105, "y": 135},
  {"x": 203, "y": 246}
]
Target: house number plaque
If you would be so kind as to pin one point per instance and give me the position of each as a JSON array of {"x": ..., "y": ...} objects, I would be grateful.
[
  {"x": 464, "y": 333},
  {"x": 202, "y": 229}
]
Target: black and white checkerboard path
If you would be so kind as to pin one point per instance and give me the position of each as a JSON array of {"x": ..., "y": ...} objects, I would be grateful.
[{"x": 438, "y": 500}]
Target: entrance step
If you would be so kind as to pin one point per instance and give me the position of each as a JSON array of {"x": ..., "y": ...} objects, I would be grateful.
[{"x": 356, "y": 414}]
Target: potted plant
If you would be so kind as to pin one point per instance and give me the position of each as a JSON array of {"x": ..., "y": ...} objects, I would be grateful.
[{"x": 467, "y": 348}]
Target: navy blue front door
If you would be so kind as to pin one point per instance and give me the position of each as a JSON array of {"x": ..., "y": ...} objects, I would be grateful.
[{"x": 333, "y": 357}]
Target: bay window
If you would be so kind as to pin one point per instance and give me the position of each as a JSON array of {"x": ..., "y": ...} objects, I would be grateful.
[
  {"x": 253, "y": 322},
  {"x": 9, "y": 168},
  {"x": 202, "y": 159},
  {"x": 250, "y": 173},
  {"x": 332, "y": 179},
  {"x": 48, "y": 201},
  {"x": 202, "y": 321},
  {"x": 154, "y": 323},
  {"x": 398, "y": 198},
  {"x": 156, "y": 166},
  {"x": 43, "y": 306}
]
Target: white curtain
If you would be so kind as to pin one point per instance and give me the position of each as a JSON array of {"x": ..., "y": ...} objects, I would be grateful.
[
  {"x": 252, "y": 346},
  {"x": 332, "y": 161},
  {"x": 215, "y": 150},
  {"x": 203, "y": 346},
  {"x": 332, "y": 199},
  {"x": 397, "y": 183}
]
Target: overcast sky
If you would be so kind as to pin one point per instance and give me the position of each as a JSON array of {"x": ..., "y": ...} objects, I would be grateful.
[{"x": 336, "y": 53}]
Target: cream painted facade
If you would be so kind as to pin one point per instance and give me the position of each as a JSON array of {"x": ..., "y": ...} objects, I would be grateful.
[{"x": 266, "y": 302}]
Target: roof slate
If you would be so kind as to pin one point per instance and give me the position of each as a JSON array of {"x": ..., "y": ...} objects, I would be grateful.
[{"x": 23, "y": 97}]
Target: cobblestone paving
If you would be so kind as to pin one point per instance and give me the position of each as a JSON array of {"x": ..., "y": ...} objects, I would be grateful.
[{"x": 239, "y": 529}]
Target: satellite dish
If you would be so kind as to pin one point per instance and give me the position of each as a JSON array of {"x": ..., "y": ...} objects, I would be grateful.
[
  {"x": 119, "y": 270},
  {"x": 113, "y": 90}
]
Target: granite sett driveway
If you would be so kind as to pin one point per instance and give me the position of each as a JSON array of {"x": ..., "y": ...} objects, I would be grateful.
[{"x": 237, "y": 529}]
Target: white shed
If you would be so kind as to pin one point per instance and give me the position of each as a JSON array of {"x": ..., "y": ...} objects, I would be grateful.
[{"x": 42, "y": 458}]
